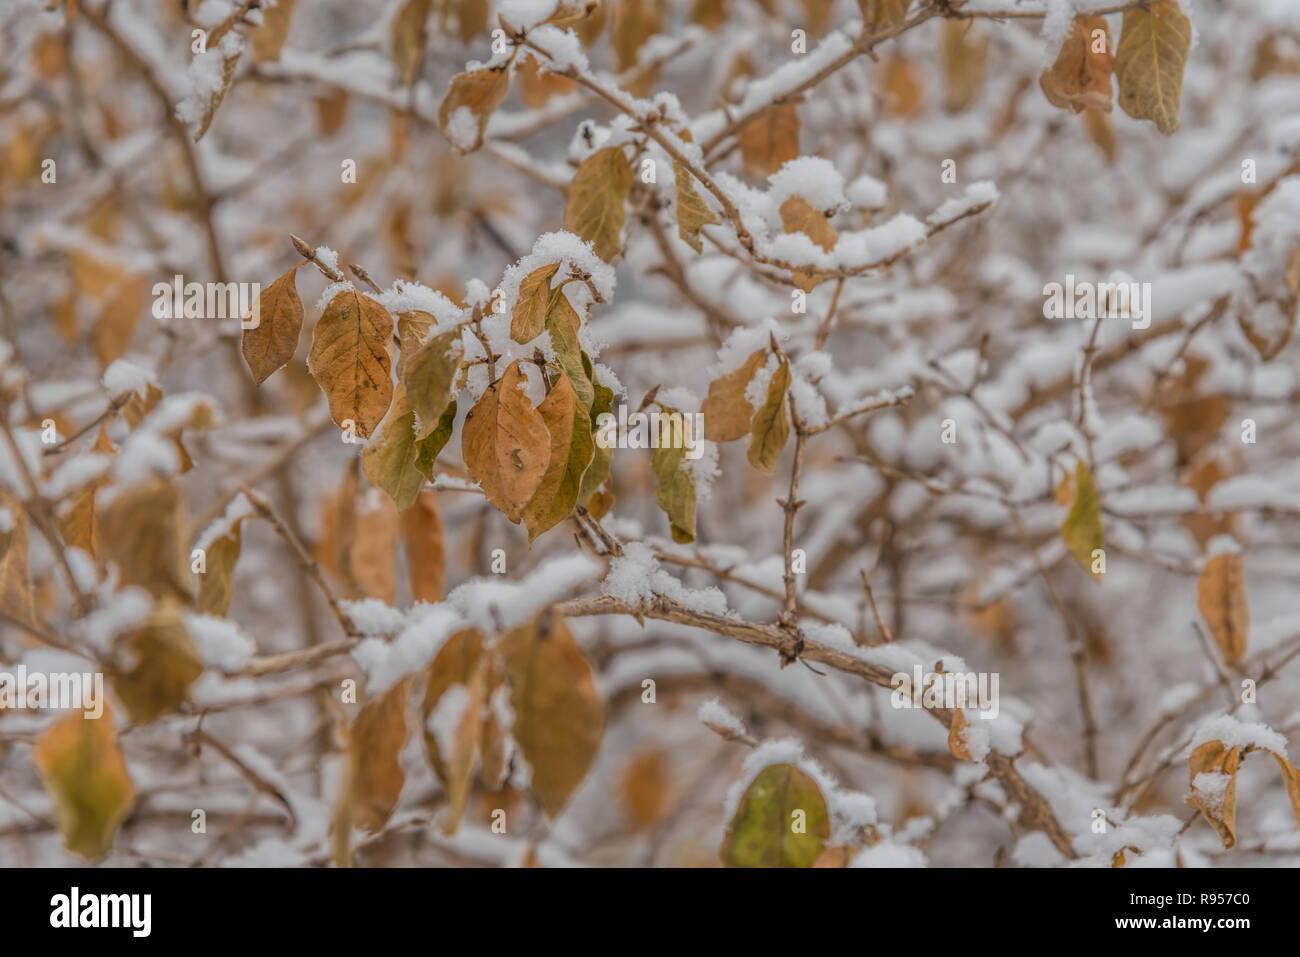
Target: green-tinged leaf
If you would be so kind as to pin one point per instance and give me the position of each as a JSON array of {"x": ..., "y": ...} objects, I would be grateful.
[
  {"x": 563, "y": 322},
  {"x": 595, "y": 208},
  {"x": 598, "y": 471},
  {"x": 559, "y": 714},
  {"x": 782, "y": 821},
  {"x": 428, "y": 448},
  {"x": 429, "y": 377},
  {"x": 81, "y": 763},
  {"x": 389, "y": 457},
  {"x": 1082, "y": 528},
  {"x": 770, "y": 427},
  {"x": 675, "y": 488},
  {"x": 1150, "y": 60}
]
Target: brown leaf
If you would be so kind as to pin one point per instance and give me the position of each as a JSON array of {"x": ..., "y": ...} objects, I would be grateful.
[
  {"x": 142, "y": 528},
  {"x": 965, "y": 51},
  {"x": 16, "y": 596},
  {"x": 372, "y": 558},
  {"x": 727, "y": 413},
  {"x": 596, "y": 204},
  {"x": 1291, "y": 778},
  {"x": 798, "y": 216},
  {"x": 538, "y": 84},
  {"x": 770, "y": 139},
  {"x": 1221, "y": 598},
  {"x": 272, "y": 343},
  {"x": 151, "y": 669},
  {"x": 881, "y": 16},
  {"x": 838, "y": 856},
  {"x": 1080, "y": 77},
  {"x": 456, "y": 663},
  {"x": 1218, "y": 805},
  {"x": 1150, "y": 60},
  {"x": 559, "y": 714},
  {"x": 633, "y": 22},
  {"x": 268, "y": 38},
  {"x": 374, "y": 767},
  {"x": 81, "y": 762},
  {"x": 115, "y": 329},
  {"x": 902, "y": 93},
  {"x": 505, "y": 444},
  {"x": 426, "y": 560},
  {"x": 468, "y": 105},
  {"x": 350, "y": 360},
  {"x": 644, "y": 788},
  {"x": 957, "y": 736}
]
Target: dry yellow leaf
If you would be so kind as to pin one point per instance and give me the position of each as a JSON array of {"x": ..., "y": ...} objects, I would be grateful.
[
  {"x": 727, "y": 413},
  {"x": 559, "y": 714},
  {"x": 528, "y": 318},
  {"x": 1216, "y": 797},
  {"x": 597, "y": 197},
  {"x": 1150, "y": 60},
  {"x": 965, "y": 51},
  {"x": 1221, "y": 598},
  {"x": 151, "y": 668},
  {"x": 770, "y": 427},
  {"x": 770, "y": 139},
  {"x": 409, "y": 38},
  {"x": 81, "y": 762},
  {"x": 693, "y": 214},
  {"x": 374, "y": 775},
  {"x": 632, "y": 24}
]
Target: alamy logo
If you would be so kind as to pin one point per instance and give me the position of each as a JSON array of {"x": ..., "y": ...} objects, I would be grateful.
[
  {"x": 946, "y": 689},
  {"x": 1098, "y": 300},
  {"x": 132, "y": 911},
  {"x": 58, "y": 690},
  {"x": 651, "y": 430},
  {"x": 208, "y": 300}
]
